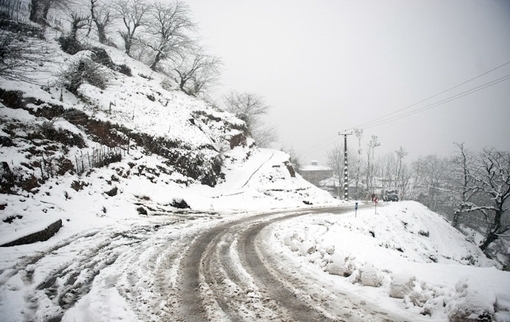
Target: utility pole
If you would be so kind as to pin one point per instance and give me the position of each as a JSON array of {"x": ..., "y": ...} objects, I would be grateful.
[{"x": 346, "y": 172}]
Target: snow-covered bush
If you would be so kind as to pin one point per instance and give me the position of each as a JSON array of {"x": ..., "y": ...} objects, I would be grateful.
[
  {"x": 370, "y": 276},
  {"x": 81, "y": 71},
  {"x": 307, "y": 247},
  {"x": 471, "y": 304},
  {"x": 167, "y": 84},
  {"x": 401, "y": 285}
]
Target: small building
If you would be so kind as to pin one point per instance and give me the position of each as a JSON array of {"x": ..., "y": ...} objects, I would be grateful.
[
  {"x": 336, "y": 189},
  {"x": 315, "y": 173}
]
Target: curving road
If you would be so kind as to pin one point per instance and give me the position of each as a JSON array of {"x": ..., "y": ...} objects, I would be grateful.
[
  {"x": 175, "y": 269},
  {"x": 228, "y": 274}
]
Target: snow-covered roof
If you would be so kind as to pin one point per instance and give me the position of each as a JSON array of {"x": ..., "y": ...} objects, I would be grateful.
[{"x": 314, "y": 166}]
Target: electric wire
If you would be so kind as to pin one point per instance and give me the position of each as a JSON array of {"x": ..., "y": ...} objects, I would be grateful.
[
  {"x": 387, "y": 118},
  {"x": 320, "y": 145},
  {"x": 397, "y": 115}
]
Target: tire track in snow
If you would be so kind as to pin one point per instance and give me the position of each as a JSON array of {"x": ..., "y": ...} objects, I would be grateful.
[{"x": 226, "y": 277}]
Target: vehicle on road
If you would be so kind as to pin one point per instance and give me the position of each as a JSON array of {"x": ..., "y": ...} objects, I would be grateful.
[{"x": 390, "y": 195}]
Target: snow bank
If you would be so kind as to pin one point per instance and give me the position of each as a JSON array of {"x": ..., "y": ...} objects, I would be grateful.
[{"x": 405, "y": 253}]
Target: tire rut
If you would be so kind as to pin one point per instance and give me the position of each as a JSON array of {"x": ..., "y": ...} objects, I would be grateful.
[{"x": 223, "y": 277}]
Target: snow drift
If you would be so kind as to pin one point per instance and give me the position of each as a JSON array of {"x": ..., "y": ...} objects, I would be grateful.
[{"x": 404, "y": 256}]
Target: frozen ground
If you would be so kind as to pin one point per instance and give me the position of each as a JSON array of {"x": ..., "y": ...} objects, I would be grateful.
[
  {"x": 249, "y": 250},
  {"x": 405, "y": 257}
]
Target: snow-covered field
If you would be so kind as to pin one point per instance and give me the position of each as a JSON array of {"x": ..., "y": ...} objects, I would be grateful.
[
  {"x": 404, "y": 257},
  {"x": 101, "y": 230}
]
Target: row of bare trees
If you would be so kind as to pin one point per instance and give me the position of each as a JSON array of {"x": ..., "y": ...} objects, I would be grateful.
[
  {"x": 158, "y": 33},
  {"x": 482, "y": 181},
  {"x": 471, "y": 189},
  {"x": 162, "y": 35},
  {"x": 368, "y": 174}
]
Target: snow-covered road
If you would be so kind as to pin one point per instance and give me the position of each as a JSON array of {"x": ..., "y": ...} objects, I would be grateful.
[
  {"x": 194, "y": 269},
  {"x": 229, "y": 274}
]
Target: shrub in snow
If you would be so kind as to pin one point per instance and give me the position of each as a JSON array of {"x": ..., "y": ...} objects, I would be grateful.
[
  {"x": 69, "y": 44},
  {"x": 307, "y": 247},
  {"x": 180, "y": 203},
  {"x": 82, "y": 71},
  {"x": 401, "y": 285},
  {"x": 291, "y": 242},
  {"x": 350, "y": 266},
  {"x": 370, "y": 276},
  {"x": 124, "y": 69},
  {"x": 354, "y": 277},
  {"x": 335, "y": 269},
  {"x": 340, "y": 265},
  {"x": 416, "y": 298},
  {"x": 167, "y": 84},
  {"x": 470, "y": 304}
]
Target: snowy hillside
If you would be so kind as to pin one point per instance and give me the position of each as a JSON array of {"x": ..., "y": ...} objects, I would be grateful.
[
  {"x": 137, "y": 147},
  {"x": 405, "y": 257}
]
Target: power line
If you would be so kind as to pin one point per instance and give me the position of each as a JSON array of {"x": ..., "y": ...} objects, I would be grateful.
[
  {"x": 321, "y": 144},
  {"x": 396, "y": 115},
  {"x": 384, "y": 120},
  {"x": 387, "y": 118}
]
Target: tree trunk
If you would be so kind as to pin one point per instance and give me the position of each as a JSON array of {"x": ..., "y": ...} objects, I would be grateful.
[
  {"x": 495, "y": 230},
  {"x": 101, "y": 32},
  {"x": 127, "y": 45},
  {"x": 34, "y": 9},
  {"x": 491, "y": 237},
  {"x": 456, "y": 219},
  {"x": 156, "y": 61},
  {"x": 46, "y": 9}
]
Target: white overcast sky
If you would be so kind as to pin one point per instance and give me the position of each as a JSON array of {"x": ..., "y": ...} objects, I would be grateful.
[{"x": 325, "y": 66}]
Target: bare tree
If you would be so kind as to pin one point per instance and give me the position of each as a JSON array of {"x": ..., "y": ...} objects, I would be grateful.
[
  {"x": 388, "y": 164},
  {"x": 18, "y": 55},
  {"x": 39, "y": 9},
  {"x": 461, "y": 176},
  {"x": 197, "y": 72},
  {"x": 168, "y": 29},
  {"x": 251, "y": 108},
  {"x": 431, "y": 180},
  {"x": 359, "y": 134},
  {"x": 14, "y": 9},
  {"x": 492, "y": 177},
  {"x": 401, "y": 153},
  {"x": 77, "y": 22},
  {"x": 69, "y": 42},
  {"x": 336, "y": 162},
  {"x": 133, "y": 14},
  {"x": 264, "y": 134},
  {"x": 374, "y": 143},
  {"x": 295, "y": 159},
  {"x": 404, "y": 183},
  {"x": 100, "y": 16}
]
